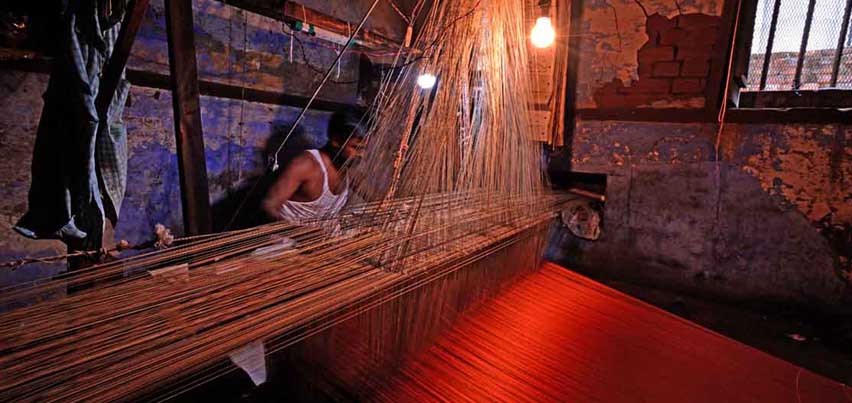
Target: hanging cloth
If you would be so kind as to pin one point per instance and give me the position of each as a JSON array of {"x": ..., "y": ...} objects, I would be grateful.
[{"x": 79, "y": 166}]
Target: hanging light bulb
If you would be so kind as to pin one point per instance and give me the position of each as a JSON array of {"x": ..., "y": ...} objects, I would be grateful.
[
  {"x": 543, "y": 33},
  {"x": 426, "y": 81}
]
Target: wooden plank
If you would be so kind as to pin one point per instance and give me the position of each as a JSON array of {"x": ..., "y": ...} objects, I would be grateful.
[
  {"x": 152, "y": 79},
  {"x": 120, "y": 53},
  {"x": 292, "y": 12},
  {"x": 195, "y": 197},
  {"x": 214, "y": 89}
]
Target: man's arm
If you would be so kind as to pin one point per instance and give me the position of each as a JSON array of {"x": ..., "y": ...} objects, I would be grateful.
[{"x": 286, "y": 185}]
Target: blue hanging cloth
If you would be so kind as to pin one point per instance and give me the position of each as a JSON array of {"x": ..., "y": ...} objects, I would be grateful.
[{"x": 79, "y": 166}]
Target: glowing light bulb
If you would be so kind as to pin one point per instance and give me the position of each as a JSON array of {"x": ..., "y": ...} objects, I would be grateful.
[
  {"x": 426, "y": 81},
  {"x": 543, "y": 33}
]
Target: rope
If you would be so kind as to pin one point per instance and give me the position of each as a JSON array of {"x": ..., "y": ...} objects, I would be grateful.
[{"x": 163, "y": 239}]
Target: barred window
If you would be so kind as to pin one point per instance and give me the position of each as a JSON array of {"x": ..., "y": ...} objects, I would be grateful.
[{"x": 800, "y": 45}]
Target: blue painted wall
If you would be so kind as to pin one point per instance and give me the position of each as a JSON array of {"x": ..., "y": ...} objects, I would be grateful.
[{"x": 233, "y": 47}]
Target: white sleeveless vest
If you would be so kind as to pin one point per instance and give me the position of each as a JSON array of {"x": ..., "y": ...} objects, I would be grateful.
[{"x": 326, "y": 205}]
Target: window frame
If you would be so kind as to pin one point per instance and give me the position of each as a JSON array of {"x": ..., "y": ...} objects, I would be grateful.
[{"x": 804, "y": 101}]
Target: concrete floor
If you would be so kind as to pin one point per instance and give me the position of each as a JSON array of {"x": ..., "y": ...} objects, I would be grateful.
[{"x": 824, "y": 344}]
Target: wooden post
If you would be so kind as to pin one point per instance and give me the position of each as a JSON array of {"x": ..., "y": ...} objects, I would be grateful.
[
  {"x": 192, "y": 165},
  {"x": 574, "y": 44}
]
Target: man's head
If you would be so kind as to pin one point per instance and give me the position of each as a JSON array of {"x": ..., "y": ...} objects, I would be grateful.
[{"x": 346, "y": 135}]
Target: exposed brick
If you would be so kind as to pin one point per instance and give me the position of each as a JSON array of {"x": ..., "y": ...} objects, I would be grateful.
[
  {"x": 645, "y": 70},
  {"x": 695, "y": 53},
  {"x": 695, "y": 68},
  {"x": 673, "y": 37},
  {"x": 649, "y": 53},
  {"x": 647, "y": 86},
  {"x": 666, "y": 69},
  {"x": 705, "y": 36},
  {"x": 697, "y": 20},
  {"x": 687, "y": 86},
  {"x": 653, "y": 38},
  {"x": 656, "y": 23}
]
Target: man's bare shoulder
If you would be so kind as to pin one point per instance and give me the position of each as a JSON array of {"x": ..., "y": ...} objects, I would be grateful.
[{"x": 304, "y": 163}]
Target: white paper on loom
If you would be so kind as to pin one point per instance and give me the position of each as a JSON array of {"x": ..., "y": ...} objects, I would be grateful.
[
  {"x": 252, "y": 359},
  {"x": 279, "y": 247},
  {"x": 284, "y": 244}
]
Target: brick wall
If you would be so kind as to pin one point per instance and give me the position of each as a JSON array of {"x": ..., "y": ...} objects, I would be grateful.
[{"x": 674, "y": 64}]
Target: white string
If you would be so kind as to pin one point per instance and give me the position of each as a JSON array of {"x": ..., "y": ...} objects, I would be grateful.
[
  {"x": 338, "y": 62},
  {"x": 798, "y": 393},
  {"x": 301, "y": 116},
  {"x": 291, "y": 45},
  {"x": 304, "y": 16}
]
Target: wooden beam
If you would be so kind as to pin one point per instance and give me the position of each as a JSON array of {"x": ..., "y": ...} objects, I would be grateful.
[
  {"x": 292, "y": 12},
  {"x": 192, "y": 165},
  {"x": 120, "y": 53},
  {"x": 219, "y": 90},
  {"x": 153, "y": 79}
]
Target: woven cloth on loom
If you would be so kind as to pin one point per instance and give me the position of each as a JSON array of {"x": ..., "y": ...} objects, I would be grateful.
[{"x": 557, "y": 336}]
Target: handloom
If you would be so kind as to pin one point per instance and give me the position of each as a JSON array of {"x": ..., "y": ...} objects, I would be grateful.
[
  {"x": 455, "y": 209},
  {"x": 558, "y": 336},
  {"x": 452, "y": 180}
]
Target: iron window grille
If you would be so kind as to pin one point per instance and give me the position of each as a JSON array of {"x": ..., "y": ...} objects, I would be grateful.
[
  {"x": 793, "y": 54},
  {"x": 800, "y": 45}
]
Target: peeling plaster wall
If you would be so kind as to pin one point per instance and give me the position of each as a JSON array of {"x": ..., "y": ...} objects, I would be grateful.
[
  {"x": 245, "y": 49},
  {"x": 747, "y": 228},
  {"x": 809, "y": 166},
  {"x": 235, "y": 132},
  {"x": 235, "y": 154},
  {"x": 612, "y": 33},
  {"x": 235, "y": 158},
  {"x": 20, "y": 100},
  {"x": 770, "y": 221}
]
